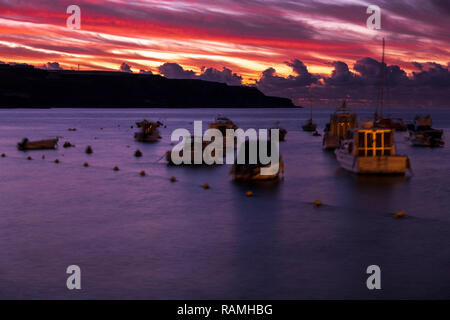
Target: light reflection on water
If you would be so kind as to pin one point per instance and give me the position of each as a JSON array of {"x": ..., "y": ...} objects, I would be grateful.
[{"x": 145, "y": 237}]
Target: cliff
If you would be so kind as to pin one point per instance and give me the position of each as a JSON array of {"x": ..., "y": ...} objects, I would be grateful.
[{"x": 27, "y": 87}]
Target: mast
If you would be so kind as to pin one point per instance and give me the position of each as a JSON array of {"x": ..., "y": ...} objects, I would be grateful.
[{"x": 381, "y": 92}]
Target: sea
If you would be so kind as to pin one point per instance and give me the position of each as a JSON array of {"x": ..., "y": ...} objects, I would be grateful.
[{"x": 146, "y": 237}]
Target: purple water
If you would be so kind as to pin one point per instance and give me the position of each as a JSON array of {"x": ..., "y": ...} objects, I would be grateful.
[{"x": 149, "y": 238}]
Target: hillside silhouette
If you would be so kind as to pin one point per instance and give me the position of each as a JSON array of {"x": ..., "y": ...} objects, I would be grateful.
[{"x": 23, "y": 86}]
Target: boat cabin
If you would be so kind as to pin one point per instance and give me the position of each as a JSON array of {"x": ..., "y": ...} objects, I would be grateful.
[{"x": 374, "y": 142}]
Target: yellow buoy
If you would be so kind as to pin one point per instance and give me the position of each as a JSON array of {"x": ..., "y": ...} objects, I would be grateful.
[
  {"x": 400, "y": 214},
  {"x": 142, "y": 173},
  {"x": 317, "y": 203},
  {"x": 86, "y": 164},
  {"x": 56, "y": 161},
  {"x": 173, "y": 179},
  {"x": 249, "y": 193},
  {"x": 206, "y": 186},
  {"x": 116, "y": 168}
]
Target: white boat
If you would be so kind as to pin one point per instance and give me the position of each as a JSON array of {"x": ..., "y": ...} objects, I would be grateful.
[{"x": 371, "y": 150}]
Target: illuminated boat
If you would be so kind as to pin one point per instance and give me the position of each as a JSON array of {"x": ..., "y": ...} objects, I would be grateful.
[
  {"x": 371, "y": 150},
  {"x": 341, "y": 122}
]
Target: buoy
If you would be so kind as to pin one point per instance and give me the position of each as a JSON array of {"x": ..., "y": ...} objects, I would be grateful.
[
  {"x": 67, "y": 144},
  {"x": 400, "y": 214},
  {"x": 56, "y": 161},
  {"x": 43, "y": 157},
  {"x": 173, "y": 179},
  {"x": 142, "y": 173},
  {"x": 138, "y": 153},
  {"x": 89, "y": 150},
  {"x": 317, "y": 203},
  {"x": 116, "y": 168},
  {"x": 86, "y": 164},
  {"x": 3, "y": 155},
  {"x": 30, "y": 158},
  {"x": 206, "y": 186},
  {"x": 249, "y": 193}
]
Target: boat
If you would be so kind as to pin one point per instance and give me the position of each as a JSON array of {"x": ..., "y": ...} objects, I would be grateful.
[
  {"x": 341, "y": 121},
  {"x": 189, "y": 146},
  {"x": 309, "y": 125},
  {"x": 421, "y": 133},
  {"x": 248, "y": 172},
  {"x": 222, "y": 123},
  {"x": 282, "y": 132},
  {"x": 379, "y": 120},
  {"x": 37, "y": 145},
  {"x": 149, "y": 131},
  {"x": 371, "y": 150}
]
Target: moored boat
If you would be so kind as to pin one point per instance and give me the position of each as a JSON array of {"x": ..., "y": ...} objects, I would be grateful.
[
  {"x": 371, "y": 150},
  {"x": 309, "y": 126},
  {"x": 222, "y": 123},
  {"x": 421, "y": 133},
  {"x": 37, "y": 145},
  {"x": 248, "y": 172},
  {"x": 341, "y": 121},
  {"x": 282, "y": 132},
  {"x": 149, "y": 131}
]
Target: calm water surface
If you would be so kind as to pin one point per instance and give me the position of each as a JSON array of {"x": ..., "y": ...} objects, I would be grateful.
[{"x": 148, "y": 238}]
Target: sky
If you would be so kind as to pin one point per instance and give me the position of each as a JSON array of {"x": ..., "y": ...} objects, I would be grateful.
[{"x": 322, "y": 49}]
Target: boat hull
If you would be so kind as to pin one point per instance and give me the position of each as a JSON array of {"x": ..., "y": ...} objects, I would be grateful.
[
  {"x": 142, "y": 137},
  {"x": 330, "y": 142},
  {"x": 38, "y": 145},
  {"x": 378, "y": 165}
]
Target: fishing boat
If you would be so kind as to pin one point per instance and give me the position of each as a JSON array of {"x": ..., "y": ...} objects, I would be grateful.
[
  {"x": 379, "y": 120},
  {"x": 282, "y": 132},
  {"x": 341, "y": 121},
  {"x": 222, "y": 123},
  {"x": 248, "y": 172},
  {"x": 190, "y": 145},
  {"x": 371, "y": 150},
  {"x": 37, "y": 145},
  {"x": 149, "y": 131},
  {"x": 421, "y": 133}
]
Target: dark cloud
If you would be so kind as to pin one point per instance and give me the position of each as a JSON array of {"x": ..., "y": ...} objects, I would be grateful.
[
  {"x": 290, "y": 87},
  {"x": 175, "y": 71},
  {"x": 225, "y": 76},
  {"x": 125, "y": 68},
  {"x": 429, "y": 86},
  {"x": 52, "y": 66}
]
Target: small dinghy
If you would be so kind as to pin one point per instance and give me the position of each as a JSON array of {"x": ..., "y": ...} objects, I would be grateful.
[
  {"x": 149, "y": 131},
  {"x": 37, "y": 145}
]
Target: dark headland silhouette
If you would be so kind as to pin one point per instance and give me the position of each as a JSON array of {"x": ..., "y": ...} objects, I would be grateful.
[{"x": 23, "y": 86}]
